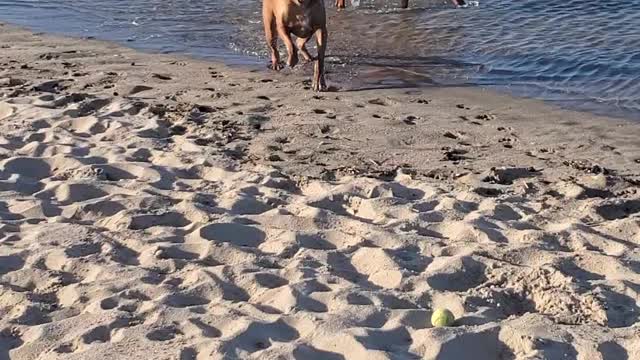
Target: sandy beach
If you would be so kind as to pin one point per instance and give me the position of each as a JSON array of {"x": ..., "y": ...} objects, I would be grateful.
[{"x": 161, "y": 207}]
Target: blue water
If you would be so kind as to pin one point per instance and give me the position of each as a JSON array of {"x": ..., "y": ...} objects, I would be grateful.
[{"x": 579, "y": 54}]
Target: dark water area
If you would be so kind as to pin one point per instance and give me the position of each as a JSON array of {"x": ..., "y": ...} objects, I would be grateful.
[{"x": 583, "y": 55}]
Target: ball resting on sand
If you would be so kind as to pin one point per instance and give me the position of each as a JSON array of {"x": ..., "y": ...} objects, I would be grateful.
[{"x": 442, "y": 317}]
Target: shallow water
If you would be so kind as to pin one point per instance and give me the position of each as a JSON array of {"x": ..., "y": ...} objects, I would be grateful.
[{"x": 580, "y": 54}]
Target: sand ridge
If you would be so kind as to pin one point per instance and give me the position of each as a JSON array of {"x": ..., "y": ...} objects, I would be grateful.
[{"x": 150, "y": 208}]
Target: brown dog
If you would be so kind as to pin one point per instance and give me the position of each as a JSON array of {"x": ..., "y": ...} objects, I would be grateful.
[
  {"x": 302, "y": 18},
  {"x": 403, "y": 3}
]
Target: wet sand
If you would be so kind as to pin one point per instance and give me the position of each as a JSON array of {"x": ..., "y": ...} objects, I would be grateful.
[{"x": 162, "y": 207}]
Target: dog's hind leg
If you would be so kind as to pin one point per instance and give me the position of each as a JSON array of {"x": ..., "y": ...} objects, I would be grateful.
[
  {"x": 270, "y": 34},
  {"x": 301, "y": 43}
]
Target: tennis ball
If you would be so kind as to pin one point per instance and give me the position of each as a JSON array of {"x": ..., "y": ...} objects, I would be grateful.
[{"x": 442, "y": 317}]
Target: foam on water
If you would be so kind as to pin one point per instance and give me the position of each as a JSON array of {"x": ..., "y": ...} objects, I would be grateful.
[{"x": 581, "y": 54}]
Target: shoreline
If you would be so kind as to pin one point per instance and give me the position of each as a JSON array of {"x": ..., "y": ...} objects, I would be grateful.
[
  {"x": 161, "y": 206},
  {"x": 246, "y": 61}
]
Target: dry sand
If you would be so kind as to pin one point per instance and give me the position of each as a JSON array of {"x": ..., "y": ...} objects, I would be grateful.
[{"x": 156, "y": 207}]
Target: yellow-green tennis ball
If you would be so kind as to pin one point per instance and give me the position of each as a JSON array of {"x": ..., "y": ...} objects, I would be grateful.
[{"x": 442, "y": 317}]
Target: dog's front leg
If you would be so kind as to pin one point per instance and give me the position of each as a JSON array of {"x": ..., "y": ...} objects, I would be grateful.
[
  {"x": 272, "y": 40},
  {"x": 318, "y": 71}
]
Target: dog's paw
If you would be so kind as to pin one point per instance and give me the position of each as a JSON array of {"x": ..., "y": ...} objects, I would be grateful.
[
  {"x": 276, "y": 66},
  {"x": 319, "y": 86},
  {"x": 292, "y": 61}
]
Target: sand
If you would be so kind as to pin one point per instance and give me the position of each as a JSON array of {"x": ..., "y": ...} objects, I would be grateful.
[{"x": 159, "y": 207}]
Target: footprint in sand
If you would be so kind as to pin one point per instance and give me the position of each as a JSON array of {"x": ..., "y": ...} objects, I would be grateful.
[
  {"x": 456, "y": 135},
  {"x": 88, "y": 107},
  {"x": 11, "y": 82},
  {"x": 10, "y": 263},
  {"x": 410, "y": 120},
  {"x": 455, "y": 155},
  {"x": 486, "y": 117},
  {"x": 162, "y": 76},
  {"x": 216, "y": 75},
  {"x": 377, "y": 102},
  {"x": 236, "y": 234},
  {"x": 139, "y": 88},
  {"x": 619, "y": 209},
  {"x": 507, "y": 142},
  {"x": 164, "y": 334},
  {"x": 28, "y": 167}
]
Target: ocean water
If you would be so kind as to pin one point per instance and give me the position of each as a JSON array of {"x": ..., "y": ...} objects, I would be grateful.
[{"x": 582, "y": 54}]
